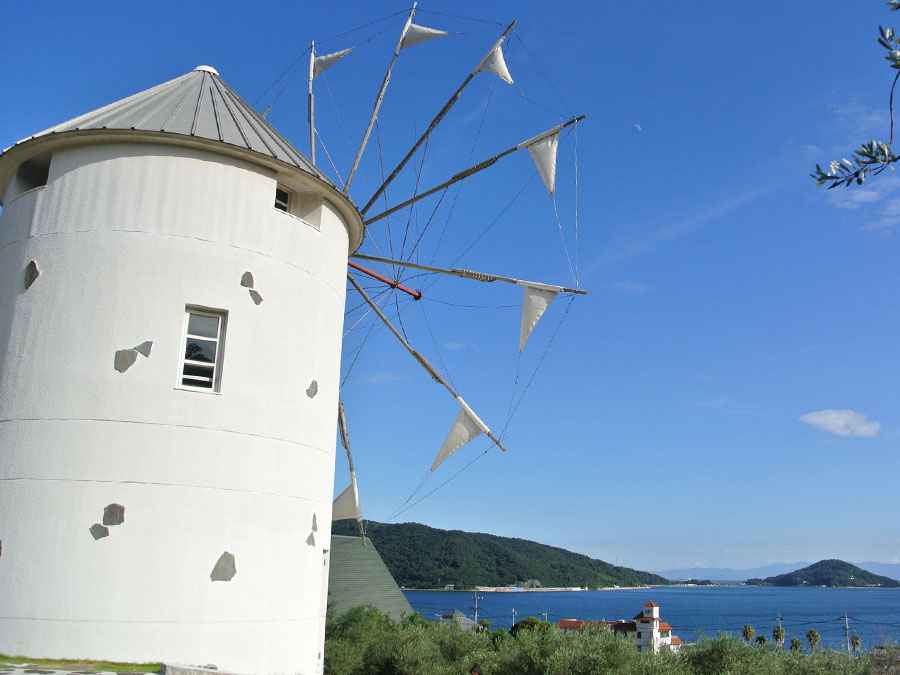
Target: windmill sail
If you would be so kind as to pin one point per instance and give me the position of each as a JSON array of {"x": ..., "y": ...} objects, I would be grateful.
[
  {"x": 495, "y": 63},
  {"x": 543, "y": 152},
  {"x": 346, "y": 505},
  {"x": 324, "y": 62},
  {"x": 466, "y": 428},
  {"x": 536, "y": 301},
  {"x": 416, "y": 34}
]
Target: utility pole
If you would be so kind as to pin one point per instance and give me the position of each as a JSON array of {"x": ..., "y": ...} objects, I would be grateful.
[
  {"x": 847, "y": 632},
  {"x": 476, "y": 607}
]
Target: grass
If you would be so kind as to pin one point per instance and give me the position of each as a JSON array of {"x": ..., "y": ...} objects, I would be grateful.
[{"x": 81, "y": 664}]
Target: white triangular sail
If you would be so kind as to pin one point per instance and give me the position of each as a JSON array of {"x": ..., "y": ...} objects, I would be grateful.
[
  {"x": 537, "y": 300},
  {"x": 324, "y": 62},
  {"x": 465, "y": 428},
  {"x": 543, "y": 152},
  {"x": 495, "y": 63},
  {"x": 346, "y": 505},
  {"x": 416, "y": 34}
]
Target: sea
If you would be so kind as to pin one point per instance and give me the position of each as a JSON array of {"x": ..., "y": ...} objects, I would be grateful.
[{"x": 695, "y": 612}]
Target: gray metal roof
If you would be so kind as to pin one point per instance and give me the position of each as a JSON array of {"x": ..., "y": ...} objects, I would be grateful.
[
  {"x": 358, "y": 577},
  {"x": 197, "y": 104}
]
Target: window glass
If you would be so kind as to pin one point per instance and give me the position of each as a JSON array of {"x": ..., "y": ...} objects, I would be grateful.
[
  {"x": 282, "y": 200},
  {"x": 200, "y": 350},
  {"x": 203, "y": 326},
  {"x": 198, "y": 376}
]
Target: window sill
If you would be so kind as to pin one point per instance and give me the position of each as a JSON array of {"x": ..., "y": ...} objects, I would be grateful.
[
  {"x": 198, "y": 390},
  {"x": 25, "y": 194},
  {"x": 291, "y": 215}
]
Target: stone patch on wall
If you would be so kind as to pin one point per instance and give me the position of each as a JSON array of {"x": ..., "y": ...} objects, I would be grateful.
[
  {"x": 125, "y": 358},
  {"x": 313, "y": 389},
  {"x": 31, "y": 274},
  {"x": 144, "y": 348},
  {"x": 247, "y": 281},
  {"x": 99, "y": 531},
  {"x": 224, "y": 569},
  {"x": 114, "y": 514}
]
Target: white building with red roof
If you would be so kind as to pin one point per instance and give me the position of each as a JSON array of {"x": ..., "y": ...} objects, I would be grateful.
[{"x": 648, "y": 631}]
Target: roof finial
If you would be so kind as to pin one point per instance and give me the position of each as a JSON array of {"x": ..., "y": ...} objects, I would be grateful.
[{"x": 207, "y": 69}]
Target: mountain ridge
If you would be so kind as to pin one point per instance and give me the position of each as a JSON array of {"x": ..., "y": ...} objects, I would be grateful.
[{"x": 420, "y": 556}]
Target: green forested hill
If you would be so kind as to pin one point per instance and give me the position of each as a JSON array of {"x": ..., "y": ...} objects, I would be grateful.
[
  {"x": 827, "y": 573},
  {"x": 424, "y": 557}
]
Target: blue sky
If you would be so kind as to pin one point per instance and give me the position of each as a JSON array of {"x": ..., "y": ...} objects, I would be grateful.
[{"x": 729, "y": 296}]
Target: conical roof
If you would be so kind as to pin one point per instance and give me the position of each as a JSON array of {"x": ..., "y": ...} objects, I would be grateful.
[{"x": 197, "y": 104}]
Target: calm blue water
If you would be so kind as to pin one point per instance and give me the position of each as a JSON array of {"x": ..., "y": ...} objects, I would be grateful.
[{"x": 874, "y": 613}]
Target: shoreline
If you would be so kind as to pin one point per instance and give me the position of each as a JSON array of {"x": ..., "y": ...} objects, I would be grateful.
[{"x": 515, "y": 589}]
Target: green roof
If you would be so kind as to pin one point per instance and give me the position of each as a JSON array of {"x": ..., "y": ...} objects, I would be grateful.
[{"x": 358, "y": 577}]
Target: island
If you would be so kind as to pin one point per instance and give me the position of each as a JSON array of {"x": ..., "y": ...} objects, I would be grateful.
[{"x": 831, "y": 573}]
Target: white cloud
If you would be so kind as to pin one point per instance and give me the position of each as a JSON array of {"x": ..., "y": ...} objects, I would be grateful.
[
  {"x": 860, "y": 121},
  {"x": 853, "y": 197},
  {"x": 842, "y": 423},
  {"x": 888, "y": 220}
]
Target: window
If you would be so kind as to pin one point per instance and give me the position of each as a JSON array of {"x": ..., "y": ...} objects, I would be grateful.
[
  {"x": 282, "y": 199},
  {"x": 34, "y": 173},
  {"x": 201, "y": 366}
]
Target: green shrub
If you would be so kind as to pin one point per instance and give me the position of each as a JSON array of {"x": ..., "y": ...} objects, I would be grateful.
[{"x": 365, "y": 642}]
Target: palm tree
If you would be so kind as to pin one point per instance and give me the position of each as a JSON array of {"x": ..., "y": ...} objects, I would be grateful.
[
  {"x": 761, "y": 640},
  {"x": 795, "y": 645},
  {"x": 747, "y": 631},
  {"x": 778, "y": 635},
  {"x": 813, "y": 637},
  {"x": 855, "y": 643}
]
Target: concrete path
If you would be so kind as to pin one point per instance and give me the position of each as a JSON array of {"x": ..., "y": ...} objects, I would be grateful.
[{"x": 22, "y": 668}]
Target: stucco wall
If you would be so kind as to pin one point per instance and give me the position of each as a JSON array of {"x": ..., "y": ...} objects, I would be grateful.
[{"x": 125, "y": 236}]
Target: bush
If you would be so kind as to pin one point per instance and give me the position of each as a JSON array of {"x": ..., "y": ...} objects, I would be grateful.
[{"x": 365, "y": 642}]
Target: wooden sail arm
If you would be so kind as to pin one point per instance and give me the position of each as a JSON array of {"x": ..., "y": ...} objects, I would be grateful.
[
  {"x": 470, "y": 274},
  {"x": 379, "y": 99},
  {"x": 345, "y": 441},
  {"x": 345, "y": 434},
  {"x": 393, "y": 283},
  {"x": 475, "y": 168},
  {"x": 433, "y": 124},
  {"x": 440, "y": 379}
]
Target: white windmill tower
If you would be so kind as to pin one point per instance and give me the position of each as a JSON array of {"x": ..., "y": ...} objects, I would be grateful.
[
  {"x": 172, "y": 290},
  {"x": 169, "y": 358}
]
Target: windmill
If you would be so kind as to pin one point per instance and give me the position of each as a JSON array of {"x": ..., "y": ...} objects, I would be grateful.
[{"x": 173, "y": 277}]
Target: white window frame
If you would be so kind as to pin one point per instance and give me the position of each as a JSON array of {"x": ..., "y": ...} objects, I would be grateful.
[
  {"x": 287, "y": 204},
  {"x": 222, "y": 317}
]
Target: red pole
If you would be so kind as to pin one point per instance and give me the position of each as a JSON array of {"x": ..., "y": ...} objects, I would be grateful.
[{"x": 417, "y": 295}]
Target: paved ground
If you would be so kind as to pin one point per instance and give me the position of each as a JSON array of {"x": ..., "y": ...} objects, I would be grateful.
[{"x": 20, "y": 669}]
